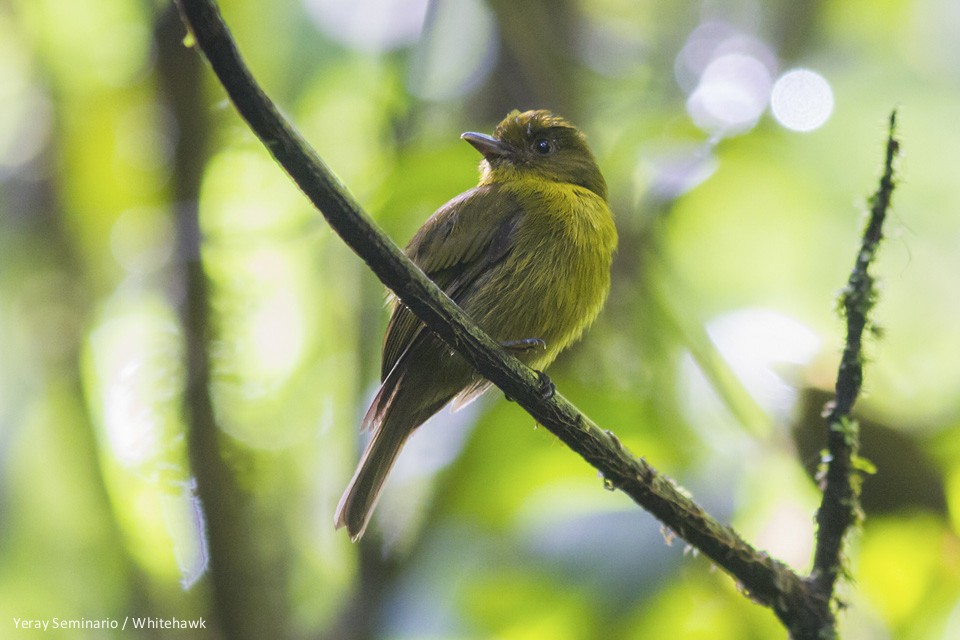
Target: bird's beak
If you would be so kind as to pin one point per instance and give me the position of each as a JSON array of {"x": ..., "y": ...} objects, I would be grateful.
[{"x": 489, "y": 146}]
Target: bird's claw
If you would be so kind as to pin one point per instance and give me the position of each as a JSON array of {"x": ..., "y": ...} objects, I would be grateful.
[
  {"x": 527, "y": 344},
  {"x": 547, "y": 388}
]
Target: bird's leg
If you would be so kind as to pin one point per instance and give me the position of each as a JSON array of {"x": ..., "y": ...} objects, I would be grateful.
[
  {"x": 547, "y": 388},
  {"x": 525, "y": 345},
  {"x": 516, "y": 347}
]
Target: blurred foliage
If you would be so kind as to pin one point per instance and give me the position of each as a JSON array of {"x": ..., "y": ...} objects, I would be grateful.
[{"x": 714, "y": 355}]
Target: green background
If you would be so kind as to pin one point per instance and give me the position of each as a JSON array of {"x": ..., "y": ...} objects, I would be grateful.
[{"x": 713, "y": 358}]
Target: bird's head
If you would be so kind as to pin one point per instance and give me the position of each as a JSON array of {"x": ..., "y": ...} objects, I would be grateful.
[{"x": 537, "y": 144}]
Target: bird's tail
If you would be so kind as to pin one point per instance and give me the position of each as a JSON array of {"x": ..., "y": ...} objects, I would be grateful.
[
  {"x": 392, "y": 423},
  {"x": 362, "y": 494}
]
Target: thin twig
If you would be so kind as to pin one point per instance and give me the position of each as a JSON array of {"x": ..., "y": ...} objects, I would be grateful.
[{"x": 840, "y": 507}]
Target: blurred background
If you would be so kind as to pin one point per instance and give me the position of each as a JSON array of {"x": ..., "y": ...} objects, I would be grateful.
[{"x": 173, "y": 442}]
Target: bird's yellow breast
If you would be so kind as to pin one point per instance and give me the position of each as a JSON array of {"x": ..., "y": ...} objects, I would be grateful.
[{"x": 557, "y": 275}]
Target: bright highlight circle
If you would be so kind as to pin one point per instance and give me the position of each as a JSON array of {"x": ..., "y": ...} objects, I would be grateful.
[{"x": 801, "y": 100}]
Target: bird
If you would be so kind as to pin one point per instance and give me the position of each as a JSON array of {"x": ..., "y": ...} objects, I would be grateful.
[{"x": 526, "y": 254}]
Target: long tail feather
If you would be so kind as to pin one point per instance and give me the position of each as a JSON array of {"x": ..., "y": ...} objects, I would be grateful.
[
  {"x": 418, "y": 386},
  {"x": 392, "y": 423},
  {"x": 362, "y": 494}
]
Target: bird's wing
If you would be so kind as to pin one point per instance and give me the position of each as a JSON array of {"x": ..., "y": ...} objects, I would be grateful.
[{"x": 463, "y": 239}]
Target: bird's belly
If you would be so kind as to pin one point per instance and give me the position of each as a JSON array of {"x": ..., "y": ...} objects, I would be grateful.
[{"x": 551, "y": 294}]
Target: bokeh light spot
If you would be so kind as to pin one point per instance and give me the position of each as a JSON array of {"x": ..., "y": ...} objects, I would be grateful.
[
  {"x": 26, "y": 114},
  {"x": 137, "y": 360},
  {"x": 457, "y": 52},
  {"x": 801, "y": 100},
  {"x": 277, "y": 333},
  {"x": 758, "y": 345},
  {"x": 731, "y": 96},
  {"x": 186, "y": 524},
  {"x": 142, "y": 239},
  {"x": 369, "y": 25}
]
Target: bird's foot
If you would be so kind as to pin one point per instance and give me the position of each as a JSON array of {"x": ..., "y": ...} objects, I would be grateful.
[
  {"x": 525, "y": 345},
  {"x": 547, "y": 388},
  {"x": 545, "y": 385}
]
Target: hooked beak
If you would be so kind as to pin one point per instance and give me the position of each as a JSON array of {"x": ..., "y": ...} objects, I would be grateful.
[{"x": 489, "y": 146}]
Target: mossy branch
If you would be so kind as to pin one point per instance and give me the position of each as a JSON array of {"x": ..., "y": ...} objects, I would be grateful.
[
  {"x": 765, "y": 580},
  {"x": 840, "y": 507}
]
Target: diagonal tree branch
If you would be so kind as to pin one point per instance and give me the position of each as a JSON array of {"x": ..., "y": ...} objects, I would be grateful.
[
  {"x": 840, "y": 507},
  {"x": 769, "y": 582}
]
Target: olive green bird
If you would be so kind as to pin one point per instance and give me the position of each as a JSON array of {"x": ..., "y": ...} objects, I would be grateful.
[{"x": 526, "y": 254}]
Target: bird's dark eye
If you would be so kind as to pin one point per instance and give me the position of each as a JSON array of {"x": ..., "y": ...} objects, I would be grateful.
[{"x": 543, "y": 146}]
